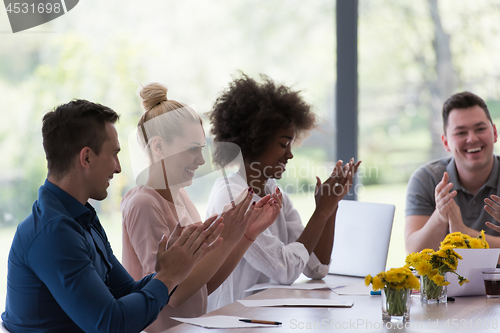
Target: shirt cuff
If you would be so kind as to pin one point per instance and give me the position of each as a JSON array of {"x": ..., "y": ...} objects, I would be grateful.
[
  {"x": 317, "y": 269},
  {"x": 159, "y": 290},
  {"x": 300, "y": 250}
]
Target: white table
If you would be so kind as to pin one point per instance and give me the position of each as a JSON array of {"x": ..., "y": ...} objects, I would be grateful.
[{"x": 465, "y": 314}]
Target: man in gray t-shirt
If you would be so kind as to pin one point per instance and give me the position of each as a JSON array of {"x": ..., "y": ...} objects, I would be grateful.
[{"x": 448, "y": 195}]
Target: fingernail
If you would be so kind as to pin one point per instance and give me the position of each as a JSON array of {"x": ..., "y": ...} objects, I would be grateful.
[
  {"x": 279, "y": 191},
  {"x": 250, "y": 189},
  {"x": 253, "y": 203}
]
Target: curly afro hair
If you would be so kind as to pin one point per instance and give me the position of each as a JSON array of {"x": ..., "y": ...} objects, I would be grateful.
[{"x": 250, "y": 113}]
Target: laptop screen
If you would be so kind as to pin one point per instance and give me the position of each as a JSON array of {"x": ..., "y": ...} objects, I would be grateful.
[{"x": 362, "y": 235}]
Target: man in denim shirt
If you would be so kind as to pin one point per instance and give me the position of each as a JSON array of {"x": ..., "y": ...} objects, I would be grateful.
[{"x": 63, "y": 276}]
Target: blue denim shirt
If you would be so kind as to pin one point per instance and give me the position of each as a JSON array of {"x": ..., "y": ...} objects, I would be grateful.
[{"x": 63, "y": 276}]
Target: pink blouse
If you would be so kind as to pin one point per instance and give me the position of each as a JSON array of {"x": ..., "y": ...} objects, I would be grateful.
[{"x": 146, "y": 217}]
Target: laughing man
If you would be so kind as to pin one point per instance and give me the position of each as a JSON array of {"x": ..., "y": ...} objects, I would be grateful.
[{"x": 447, "y": 195}]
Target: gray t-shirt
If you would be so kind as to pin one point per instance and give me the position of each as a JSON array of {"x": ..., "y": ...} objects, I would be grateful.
[{"x": 420, "y": 198}]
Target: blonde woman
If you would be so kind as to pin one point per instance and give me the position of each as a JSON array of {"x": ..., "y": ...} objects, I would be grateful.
[{"x": 172, "y": 137}]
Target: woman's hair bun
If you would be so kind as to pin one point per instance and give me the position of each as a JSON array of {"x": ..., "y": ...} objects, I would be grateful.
[{"x": 153, "y": 94}]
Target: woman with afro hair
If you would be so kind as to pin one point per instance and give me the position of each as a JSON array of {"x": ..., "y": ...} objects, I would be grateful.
[{"x": 265, "y": 120}]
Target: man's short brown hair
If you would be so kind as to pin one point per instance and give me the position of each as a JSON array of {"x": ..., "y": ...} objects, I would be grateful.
[
  {"x": 463, "y": 100},
  {"x": 69, "y": 128}
]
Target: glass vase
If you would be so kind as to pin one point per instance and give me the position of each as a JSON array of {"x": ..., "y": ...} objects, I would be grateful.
[
  {"x": 395, "y": 305},
  {"x": 430, "y": 292}
]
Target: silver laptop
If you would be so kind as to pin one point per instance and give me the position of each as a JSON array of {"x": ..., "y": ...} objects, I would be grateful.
[{"x": 362, "y": 235}]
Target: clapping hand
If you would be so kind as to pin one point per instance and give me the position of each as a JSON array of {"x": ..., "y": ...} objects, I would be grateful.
[
  {"x": 334, "y": 189},
  {"x": 193, "y": 243},
  {"x": 235, "y": 222},
  {"x": 262, "y": 214},
  {"x": 455, "y": 222},
  {"x": 493, "y": 208},
  {"x": 178, "y": 231},
  {"x": 444, "y": 198},
  {"x": 447, "y": 209}
]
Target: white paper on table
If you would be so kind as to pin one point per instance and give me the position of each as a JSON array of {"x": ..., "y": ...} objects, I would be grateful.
[
  {"x": 302, "y": 286},
  {"x": 471, "y": 267},
  {"x": 220, "y": 322},
  {"x": 352, "y": 289},
  {"x": 319, "y": 302}
]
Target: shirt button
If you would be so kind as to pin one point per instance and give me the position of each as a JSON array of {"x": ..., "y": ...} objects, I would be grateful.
[{"x": 474, "y": 202}]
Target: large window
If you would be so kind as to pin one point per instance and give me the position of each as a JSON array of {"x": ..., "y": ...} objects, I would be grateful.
[
  {"x": 100, "y": 50},
  {"x": 413, "y": 55}
]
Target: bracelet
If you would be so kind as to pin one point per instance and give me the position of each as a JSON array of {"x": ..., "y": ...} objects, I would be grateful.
[{"x": 251, "y": 240}]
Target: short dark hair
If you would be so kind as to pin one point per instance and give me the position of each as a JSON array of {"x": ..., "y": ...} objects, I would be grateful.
[
  {"x": 70, "y": 127},
  {"x": 463, "y": 100},
  {"x": 249, "y": 113}
]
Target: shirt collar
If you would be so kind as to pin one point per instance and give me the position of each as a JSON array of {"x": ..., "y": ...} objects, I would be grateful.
[
  {"x": 453, "y": 173},
  {"x": 84, "y": 214}
]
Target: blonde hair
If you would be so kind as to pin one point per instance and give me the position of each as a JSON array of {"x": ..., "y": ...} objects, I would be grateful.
[{"x": 155, "y": 104}]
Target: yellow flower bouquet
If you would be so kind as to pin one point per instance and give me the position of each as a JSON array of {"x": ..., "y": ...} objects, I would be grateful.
[
  {"x": 433, "y": 265},
  {"x": 396, "y": 285},
  {"x": 463, "y": 241}
]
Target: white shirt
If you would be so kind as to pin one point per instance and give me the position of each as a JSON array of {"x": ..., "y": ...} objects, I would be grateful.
[{"x": 275, "y": 255}]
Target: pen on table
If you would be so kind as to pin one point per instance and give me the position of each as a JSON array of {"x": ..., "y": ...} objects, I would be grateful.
[{"x": 256, "y": 321}]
